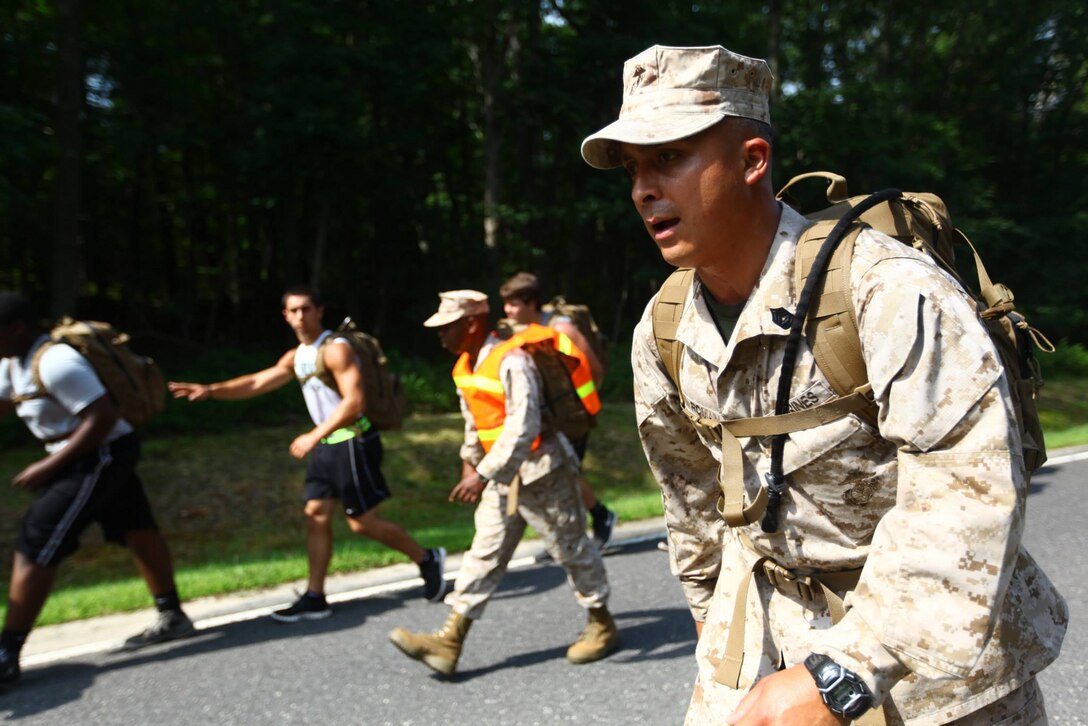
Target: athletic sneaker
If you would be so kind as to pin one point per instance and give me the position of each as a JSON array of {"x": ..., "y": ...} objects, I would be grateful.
[
  {"x": 433, "y": 571},
  {"x": 603, "y": 529},
  {"x": 307, "y": 607},
  {"x": 9, "y": 668},
  {"x": 170, "y": 625}
]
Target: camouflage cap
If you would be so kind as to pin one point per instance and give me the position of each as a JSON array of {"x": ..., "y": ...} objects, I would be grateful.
[
  {"x": 457, "y": 304},
  {"x": 672, "y": 93}
]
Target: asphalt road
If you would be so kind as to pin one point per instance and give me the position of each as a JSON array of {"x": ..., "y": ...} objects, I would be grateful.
[{"x": 343, "y": 670}]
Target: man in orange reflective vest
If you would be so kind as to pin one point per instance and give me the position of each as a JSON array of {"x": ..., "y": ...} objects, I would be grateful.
[
  {"x": 517, "y": 474},
  {"x": 521, "y": 303}
]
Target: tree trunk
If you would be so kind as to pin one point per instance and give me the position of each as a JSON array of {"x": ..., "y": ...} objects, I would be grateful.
[
  {"x": 66, "y": 255},
  {"x": 774, "y": 40},
  {"x": 319, "y": 244}
]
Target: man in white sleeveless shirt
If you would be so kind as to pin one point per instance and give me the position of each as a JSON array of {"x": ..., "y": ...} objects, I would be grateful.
[{"x": 345, "y": 451}]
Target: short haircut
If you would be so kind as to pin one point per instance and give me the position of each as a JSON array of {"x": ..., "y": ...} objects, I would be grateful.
[
  {"x": 310, "y": 292},
  {"x": 16, "y": 308},
  {"x": 749, "y": 128},
  {"x": 522, "y": 286}
]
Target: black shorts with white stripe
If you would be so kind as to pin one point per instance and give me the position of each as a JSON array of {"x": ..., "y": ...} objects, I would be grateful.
[
  {"x": 102, "y": 487},
  {"x": 350, "y": 471}
]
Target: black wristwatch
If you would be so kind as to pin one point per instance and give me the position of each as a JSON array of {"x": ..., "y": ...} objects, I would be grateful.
[{"x": 841, "y": 690}]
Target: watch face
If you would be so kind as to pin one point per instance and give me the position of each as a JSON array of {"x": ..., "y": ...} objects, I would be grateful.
[{"x": 842, "y": 691}]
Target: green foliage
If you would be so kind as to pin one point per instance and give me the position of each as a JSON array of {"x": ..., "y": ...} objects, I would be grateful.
[
  {"x": 1069, "y": 360},
  {"x": 230, "y": 149}
]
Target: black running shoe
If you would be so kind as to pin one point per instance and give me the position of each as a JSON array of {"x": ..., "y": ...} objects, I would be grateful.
[
  {"x": 433, "y": 571},
  {"x": 603, "y": 529},
  {"x": 9, "y": 669},
  {"x": 307, "y": 607},
  {"x": 170, "y": 625}
]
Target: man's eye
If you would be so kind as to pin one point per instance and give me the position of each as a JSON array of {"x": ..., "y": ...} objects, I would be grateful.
[{"x": 667, "y": 156}]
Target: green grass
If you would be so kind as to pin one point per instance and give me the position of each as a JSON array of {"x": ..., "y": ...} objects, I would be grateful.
[
  {"x": 230, "y": 503},
  {"x": 228, "y": 496}
]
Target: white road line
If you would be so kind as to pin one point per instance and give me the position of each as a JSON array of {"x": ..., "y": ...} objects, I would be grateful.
[{"x": 1066, "y": 458}]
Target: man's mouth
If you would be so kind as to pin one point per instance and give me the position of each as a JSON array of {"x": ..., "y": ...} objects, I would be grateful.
[{"x": 659, "y": 226}]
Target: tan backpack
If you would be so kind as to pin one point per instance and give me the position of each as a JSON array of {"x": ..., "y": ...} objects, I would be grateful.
[
  {"x": 580, "y": 315},
  {"x": 822, "y": 275},
  {"x": 134, "y": 382},
  {"x": 386, "y": 404},
  {"x": 562, "y": 409}
]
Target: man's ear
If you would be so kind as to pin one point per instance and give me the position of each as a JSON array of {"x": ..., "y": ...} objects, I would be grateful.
[{"x": 757, "y": 160}]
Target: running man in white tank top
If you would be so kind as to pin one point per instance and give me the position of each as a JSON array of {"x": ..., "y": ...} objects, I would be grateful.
[{"x": 344, "y": 451}]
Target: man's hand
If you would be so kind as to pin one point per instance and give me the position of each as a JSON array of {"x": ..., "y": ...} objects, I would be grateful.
[
  {"x": 304, "y": 444},
  {"x": 468, "y": 490},
  {"x": 191, "y": 391},
  {"x": 35, "y": 475},
  {"x": 786, "y": 698}
]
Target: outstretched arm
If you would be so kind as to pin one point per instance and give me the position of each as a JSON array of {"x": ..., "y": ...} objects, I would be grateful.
[{"x": 236, "y": 389}]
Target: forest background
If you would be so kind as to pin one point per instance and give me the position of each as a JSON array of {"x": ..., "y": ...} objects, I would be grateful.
[{"x": 173, "y": 166}]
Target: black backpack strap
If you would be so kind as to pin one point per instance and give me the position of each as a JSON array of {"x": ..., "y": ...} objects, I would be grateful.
[{"x": 776, "y": 479}]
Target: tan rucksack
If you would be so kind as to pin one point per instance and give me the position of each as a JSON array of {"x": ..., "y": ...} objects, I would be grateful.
[
  {"x": 562, "y": 409},
  {"x": 822, "y": 275},
  {"x": 579, "y": 314},
  {"x": 386, "y": 404},
  {"x": 133, "y": 381}
]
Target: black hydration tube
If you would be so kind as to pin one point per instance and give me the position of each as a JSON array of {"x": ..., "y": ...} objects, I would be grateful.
[{"x": 776, "y": 480}]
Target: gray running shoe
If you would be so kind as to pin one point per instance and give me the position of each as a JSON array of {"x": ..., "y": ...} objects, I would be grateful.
[
  {"x": 307, "y": 607},
  {"x": 433, "y": 572},
  {"x": 170, "y": 625}
]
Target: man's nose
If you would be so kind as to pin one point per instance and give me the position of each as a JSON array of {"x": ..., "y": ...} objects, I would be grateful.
[{"x": 644, "y": 188}]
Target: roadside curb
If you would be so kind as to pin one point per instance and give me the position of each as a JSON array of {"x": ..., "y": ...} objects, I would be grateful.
[{"x": 52, "y": 643}]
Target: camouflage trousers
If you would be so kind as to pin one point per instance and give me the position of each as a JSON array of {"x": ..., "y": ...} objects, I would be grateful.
[{"x": 553, "y": 507}]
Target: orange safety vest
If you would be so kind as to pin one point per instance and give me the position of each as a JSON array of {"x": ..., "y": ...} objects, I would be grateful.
[{"x": 483, "y": 390}]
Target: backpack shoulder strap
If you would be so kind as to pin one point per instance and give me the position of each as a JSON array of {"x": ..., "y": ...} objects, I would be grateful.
[
  {"x": 321, "y": 371},
  {"x": 668, "y": 307},
  {"x": 832, "y": 326},
  {"x": 36, "y": 372}
]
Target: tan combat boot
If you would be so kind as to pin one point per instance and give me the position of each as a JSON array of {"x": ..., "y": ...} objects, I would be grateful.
[
  {"x": 600, "y": 638},
  {"x": 439, "y": 650}
]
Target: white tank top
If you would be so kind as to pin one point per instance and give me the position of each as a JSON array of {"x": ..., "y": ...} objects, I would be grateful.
[{"x": 321, "y": 400}]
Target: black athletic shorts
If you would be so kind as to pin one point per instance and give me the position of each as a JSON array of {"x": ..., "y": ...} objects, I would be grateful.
[
  {"x": 102, "y": 487},
  {"x": 350, "y": 471}
]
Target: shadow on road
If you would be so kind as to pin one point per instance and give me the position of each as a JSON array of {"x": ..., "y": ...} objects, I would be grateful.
[
  {"x": 47, "y": 687},
  {"x": 646, "y": 635},
  {"x": 1041, "y": 479}
]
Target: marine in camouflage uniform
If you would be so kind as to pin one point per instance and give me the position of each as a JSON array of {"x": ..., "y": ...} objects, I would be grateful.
[
  {"x": 951, "y": 618},
  {"x": 515, "y": 485}
]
